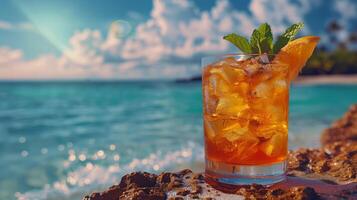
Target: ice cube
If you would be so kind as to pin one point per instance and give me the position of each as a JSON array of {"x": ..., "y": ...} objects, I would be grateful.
[
  {"x": 236, "y": 133},
  {"x": 280, "y": 86},
  {"x": 218, "y": 71},
  {"x": 218, "y": 85},
  {"x": 209, "y": 130},
  {"x": 266, "y": 112},
  {"x": 266, "y": 131},
  {"x": 275, "y": 146},
  {"x": 247, "y": 148},
  {"x": 251, "y": 69},
  {"x": 243, "y": 148},
  {"x": 231, "y": 105},
  {"x": 264, "y": 74},
  {"x": 278, "y": 112},
  {"x": 242, "y": 88},
  {"x": 219, "y": 125},
  {"x": 227, "y": 133},
  {"x": 279, "y": 83},
  {"x": 210, "y": 101},
  {"x": 230, "y": 73},
  {"x": 234, "y": 74},
  {"x": 263, "y": 90},
  {"x": 264, "y": 58},
  {"x": 229, "y": 61}
]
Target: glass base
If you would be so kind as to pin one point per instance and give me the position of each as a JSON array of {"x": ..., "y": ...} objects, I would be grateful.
[{"x": 231, "y": 174}]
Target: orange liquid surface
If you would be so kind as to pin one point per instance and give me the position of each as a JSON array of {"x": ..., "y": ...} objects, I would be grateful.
[{"x": 245, "y": 112}]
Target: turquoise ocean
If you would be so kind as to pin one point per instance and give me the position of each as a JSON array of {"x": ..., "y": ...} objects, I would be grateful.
[{"x": 59, "y": 140}]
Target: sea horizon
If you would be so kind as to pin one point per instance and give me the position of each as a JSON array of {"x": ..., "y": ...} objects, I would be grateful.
[{"x": 189, "y": 79}]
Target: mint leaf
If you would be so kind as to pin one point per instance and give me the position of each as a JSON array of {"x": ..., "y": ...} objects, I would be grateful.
[
  {"x": 239, "y": 41},
  {"x": 280, "y": 43},
  {"x": 293, "y": 30},
  {"x": 266, "y": 45},
  {"x": 261, "y": 40},
  {"x": 255, "y": 42},
  {"x": 287, "y": 36},
  {"x": 266, "y": 38}
]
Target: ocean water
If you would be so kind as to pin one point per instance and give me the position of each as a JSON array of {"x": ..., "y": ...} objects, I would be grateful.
[{"x": 61, "y": 140}]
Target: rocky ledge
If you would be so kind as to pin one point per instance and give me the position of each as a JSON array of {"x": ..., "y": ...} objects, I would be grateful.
[{"x": 329, "y": 172}]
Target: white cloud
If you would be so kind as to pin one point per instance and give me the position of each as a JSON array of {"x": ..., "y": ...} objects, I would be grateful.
[
  {"x": 85, "y": 49},
  {"x": 47, "y": 67},
  {"x": 8, "y": 55},
  {"x": 346, "y": 9},
  {"x": 168, "y": 44},
  {"x": 280, "y": 13},
  {"x": 5, "y": 25}
]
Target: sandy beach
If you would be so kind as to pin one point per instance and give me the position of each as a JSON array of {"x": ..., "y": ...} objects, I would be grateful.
[{"x": 327, "y": 79}]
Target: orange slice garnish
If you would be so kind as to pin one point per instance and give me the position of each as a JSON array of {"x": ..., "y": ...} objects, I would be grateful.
[{"x": 296, "y": 53}]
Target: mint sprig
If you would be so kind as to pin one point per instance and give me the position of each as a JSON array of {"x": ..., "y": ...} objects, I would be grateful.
[
  {"x": 261, "y": 40},
  {"x": 239, "y": 41},
  {"x": 287, "y": 36},
  {"x": 255, "y": 42}
]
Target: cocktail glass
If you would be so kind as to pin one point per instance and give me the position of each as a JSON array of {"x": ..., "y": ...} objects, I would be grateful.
[{"x": 245, "y": 103}]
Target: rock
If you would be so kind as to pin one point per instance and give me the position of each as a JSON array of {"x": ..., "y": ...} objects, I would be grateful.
[
  {"x": 165, "y": 177},
  {"x": 143, "y": 193},
  {"x": 337, "y": 159},
  {"x": 329, "y": 172},
  {"x": 137, "y": 180},
  {"x": 260, "y": 192},
  {"x": 139, "y": 183},
  {"x": 176, "y": 198},
  {"x": 111, "y": 194},
  {"x": 344, "y": 129},
  {"x": 183, "y": 192},
  {"x": 340, "y": 166}
]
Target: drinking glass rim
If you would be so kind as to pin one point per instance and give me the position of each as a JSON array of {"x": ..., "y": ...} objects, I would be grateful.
[
  {"x": 208, "y": 60},
  {"x": 212, "y": 58}
]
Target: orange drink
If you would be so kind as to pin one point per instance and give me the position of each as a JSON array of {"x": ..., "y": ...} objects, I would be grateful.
[
  {"x": 246, "y": 103},
  {"x": 245, "y": 111},
  {"x": 245, "y": 100}
]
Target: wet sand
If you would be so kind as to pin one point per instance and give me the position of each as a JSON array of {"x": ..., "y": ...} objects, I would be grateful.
[{"x": 326, "y": 79}]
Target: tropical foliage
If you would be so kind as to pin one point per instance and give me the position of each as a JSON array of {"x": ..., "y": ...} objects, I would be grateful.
[{"x": 341, "y": 59}]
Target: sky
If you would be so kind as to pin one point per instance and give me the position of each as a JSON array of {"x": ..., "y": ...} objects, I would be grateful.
[{"x": 158, "y": 39}]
